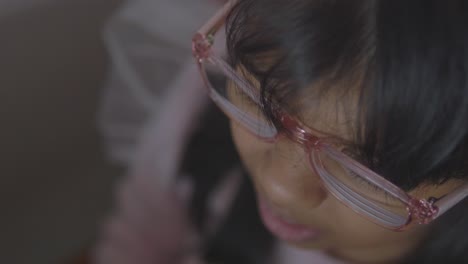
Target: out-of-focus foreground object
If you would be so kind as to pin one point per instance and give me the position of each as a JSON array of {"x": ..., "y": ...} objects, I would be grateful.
[
  {"x": 148, "y": 41},
  {"x": 144, "y": 124}
]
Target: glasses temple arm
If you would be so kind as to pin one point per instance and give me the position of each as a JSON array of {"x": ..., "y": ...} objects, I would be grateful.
[
  {"x": 217, "y": 20},
  {"x": 449, "y": 200}
]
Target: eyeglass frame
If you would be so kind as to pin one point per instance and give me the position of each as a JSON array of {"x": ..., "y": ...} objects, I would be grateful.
[{"x": 420, "y": 211}]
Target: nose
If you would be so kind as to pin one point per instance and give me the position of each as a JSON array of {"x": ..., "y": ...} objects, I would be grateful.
[{"x": 290, "y": 178}]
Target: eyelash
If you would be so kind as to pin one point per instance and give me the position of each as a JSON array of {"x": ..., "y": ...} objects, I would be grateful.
[
  {"x": 368, "y": 184},
  {"x": 362, "y": 181}
]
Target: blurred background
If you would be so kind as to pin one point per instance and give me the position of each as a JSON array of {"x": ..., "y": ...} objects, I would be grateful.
[
  {"x": 55, "y": 182},
  {"x": 78, "y": 81}
]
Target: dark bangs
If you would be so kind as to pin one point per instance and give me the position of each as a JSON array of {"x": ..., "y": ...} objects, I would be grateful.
[{"x": 405, "y": 62}]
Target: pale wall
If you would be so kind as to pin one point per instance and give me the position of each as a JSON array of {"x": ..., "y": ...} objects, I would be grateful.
[{"x": 54, "y": 182}]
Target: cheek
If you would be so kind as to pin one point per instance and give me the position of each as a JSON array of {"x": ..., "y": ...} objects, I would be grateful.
[
  {"x": 351, "y": 225},
  {"x": 251, "y": 149},
  {"x": 345, "y": 226}
]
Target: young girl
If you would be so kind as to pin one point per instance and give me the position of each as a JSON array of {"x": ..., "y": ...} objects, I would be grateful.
[{"x": 350, "y": 119}]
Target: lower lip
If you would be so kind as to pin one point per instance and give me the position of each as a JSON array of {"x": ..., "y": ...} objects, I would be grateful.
[{"x": 283, "y": 229}]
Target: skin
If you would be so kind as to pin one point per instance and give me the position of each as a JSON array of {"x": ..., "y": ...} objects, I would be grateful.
[{"x": 281, "y": 175}]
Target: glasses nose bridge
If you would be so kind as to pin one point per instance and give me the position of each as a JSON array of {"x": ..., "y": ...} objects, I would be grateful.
[{"x": 298, "y": 134}]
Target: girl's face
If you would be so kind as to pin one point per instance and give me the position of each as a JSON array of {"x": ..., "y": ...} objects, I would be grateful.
[{"x": 298, "y": 209}]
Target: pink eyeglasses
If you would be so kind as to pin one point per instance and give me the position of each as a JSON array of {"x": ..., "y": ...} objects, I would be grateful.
[{"x": 355, "y": 185}]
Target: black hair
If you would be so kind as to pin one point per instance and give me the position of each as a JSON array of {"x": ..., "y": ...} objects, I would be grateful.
[{"x": 404, "y": 62}]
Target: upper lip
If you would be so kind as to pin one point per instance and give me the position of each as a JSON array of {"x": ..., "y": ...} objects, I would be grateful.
[{"x": 278, "y": 210}]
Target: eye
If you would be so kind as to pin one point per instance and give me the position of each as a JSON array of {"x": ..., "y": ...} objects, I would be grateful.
[
  {"x": 363, "y": 181},
  {"x": 353, "y": 154},
  {"x": 368, "y": 188}
]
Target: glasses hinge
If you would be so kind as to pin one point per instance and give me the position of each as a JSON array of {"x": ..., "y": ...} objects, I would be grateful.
[{"x": 423, "y": 211}]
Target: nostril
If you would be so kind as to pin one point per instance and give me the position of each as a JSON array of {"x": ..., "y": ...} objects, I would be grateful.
[{"x": 314, "y": 193}]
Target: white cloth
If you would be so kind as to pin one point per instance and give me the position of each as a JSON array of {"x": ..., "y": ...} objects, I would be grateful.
[{"x": 148, "y": 42}]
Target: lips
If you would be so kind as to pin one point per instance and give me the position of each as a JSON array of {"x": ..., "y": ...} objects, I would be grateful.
[{"x": 285, "y": 229}]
